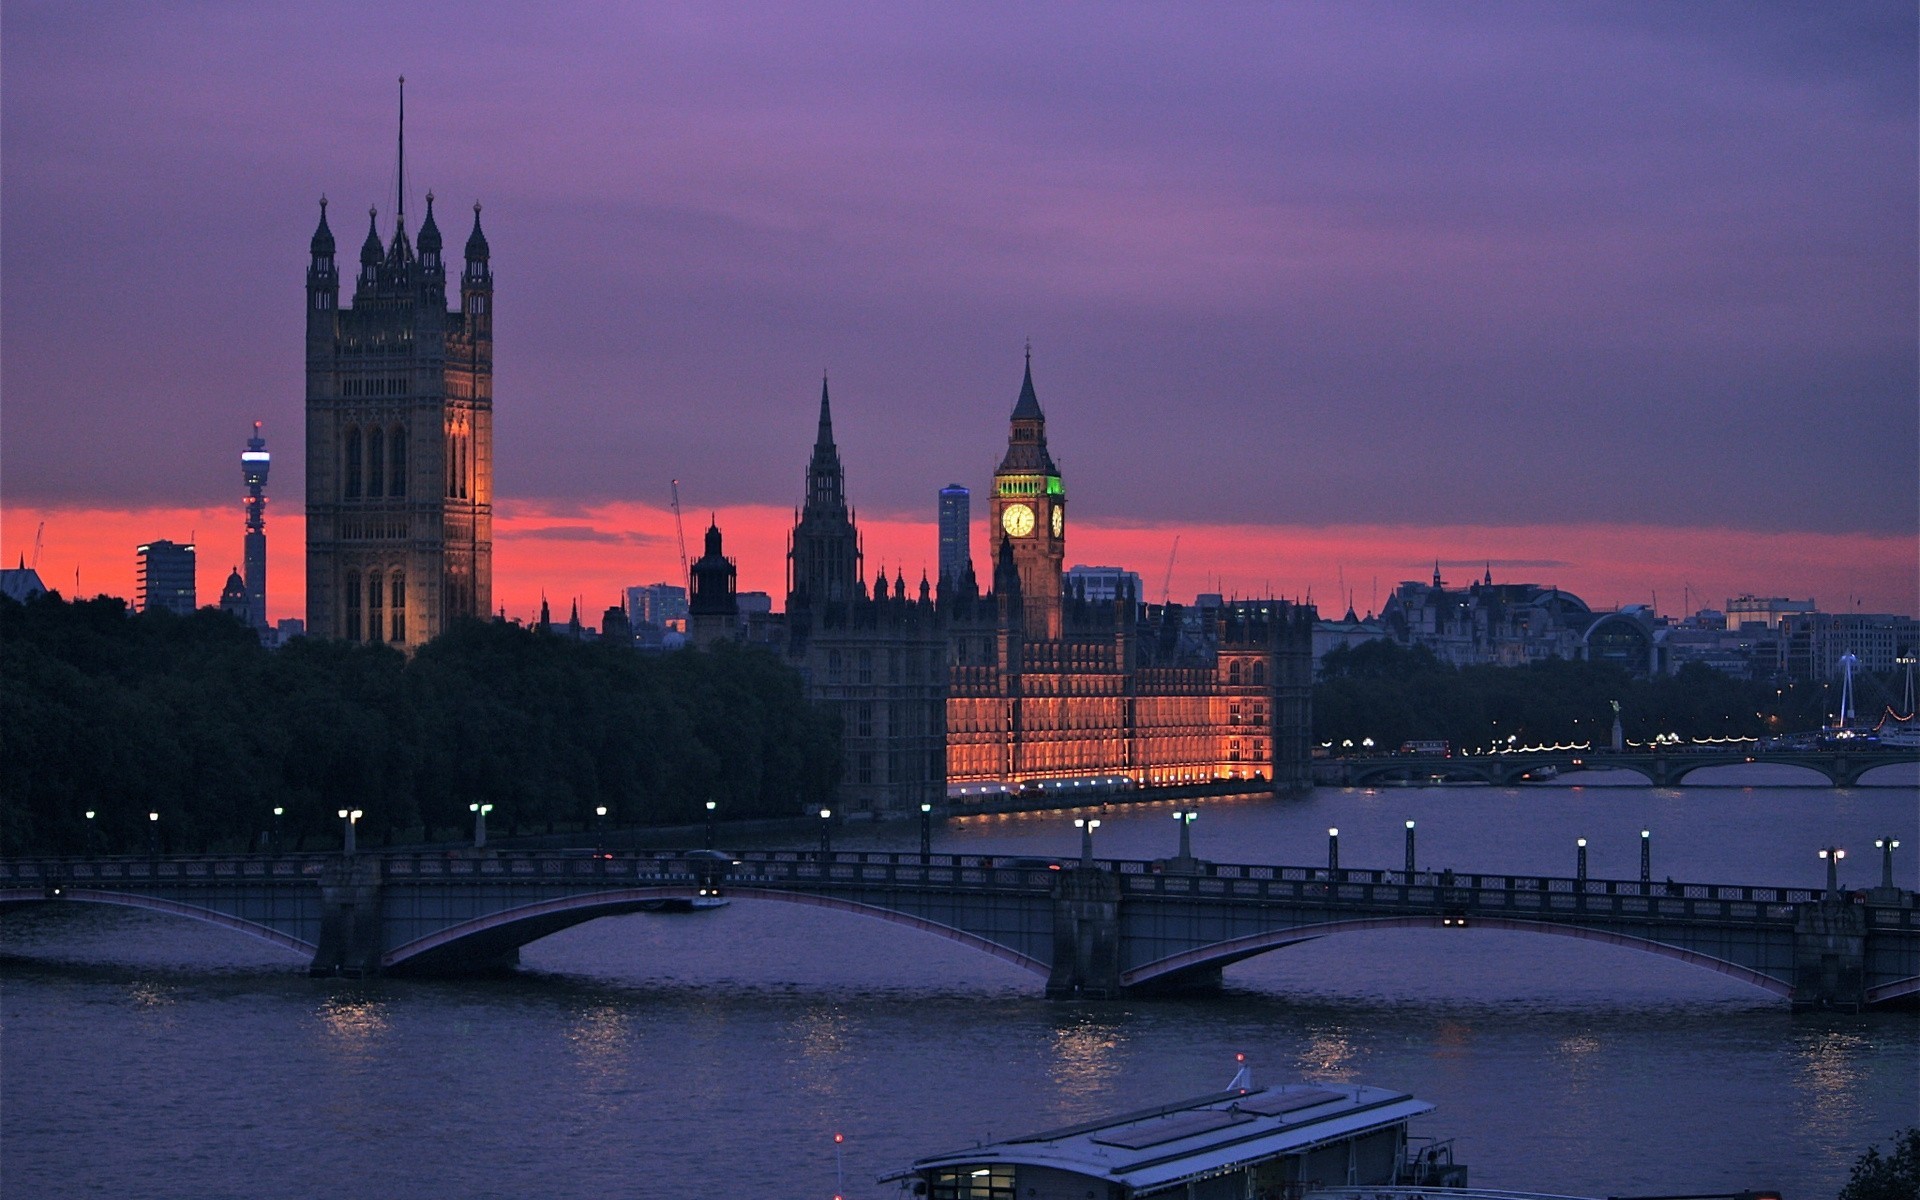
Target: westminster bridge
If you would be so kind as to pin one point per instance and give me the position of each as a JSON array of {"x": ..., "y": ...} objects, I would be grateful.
[
  {"x": 1661, "y": 767},
  {"x": 1090, "y": 928}
]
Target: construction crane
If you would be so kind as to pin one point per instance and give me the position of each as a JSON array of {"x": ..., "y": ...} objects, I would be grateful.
[
  {"x": 1166, "y": 588},
  {"x": 686, "y": 572},
  {"x": 37, "y": 534}
]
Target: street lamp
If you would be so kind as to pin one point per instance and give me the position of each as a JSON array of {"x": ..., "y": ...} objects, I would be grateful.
[
  {"x": 1333, "y": 850},
  {"x": 826, "y": 832},
  {"x": 479, "y": 812},
  {"x": 351, "y": 817},
  {"x": 1832, "y": 855},
  {"x": 711, "y": 806},
  {"x": 1886, "y": 846},
  {"x": 1186, "y": 832},
  {"x": 1409, "y": 850},
  {"x": 1086, "y": 826},
  {"x": 90, "y": 829},
  {"x": 926, "y": 834},
  {"x": 1580, "y": 859},
  {"x": 153, "y": 833},
  {"x": 1646, "y": 856},
  {"x": 278, "y": 812},
  {"x": 599, "y": 824}
]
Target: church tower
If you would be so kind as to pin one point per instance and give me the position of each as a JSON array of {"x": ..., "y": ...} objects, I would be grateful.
[
  {"x": 823, "y": 553},
  {"x": 1030, "y": 511},
  {"x": 399, "y": 434}
]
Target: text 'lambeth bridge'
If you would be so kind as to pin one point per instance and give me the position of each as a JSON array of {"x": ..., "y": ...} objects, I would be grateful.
[{"x": 1091, "y": 928}]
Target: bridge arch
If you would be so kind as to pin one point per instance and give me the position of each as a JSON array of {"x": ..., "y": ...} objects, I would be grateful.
[
  {"x": 1902, "y": 989},
  {"x": 497, "y": 934},
  {"x": 1205, "y": 958},
  {"x": 175, "y": 908}
]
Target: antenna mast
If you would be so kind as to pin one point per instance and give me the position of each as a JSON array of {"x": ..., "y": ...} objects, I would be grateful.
[{"x": 400, "y": 181}]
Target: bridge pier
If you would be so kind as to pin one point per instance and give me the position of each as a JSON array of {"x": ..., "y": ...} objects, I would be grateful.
[
  {"x": 1086, "y": 936},
  {"x": 1830, "y": 956},
  {"x": 350, "y": 919}
]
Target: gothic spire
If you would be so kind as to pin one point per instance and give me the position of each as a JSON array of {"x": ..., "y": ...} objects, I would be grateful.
[
  {"x": 400, "y": 173},
  {"x": 323, "y": 236},
  {"x": 1028, "y": 407},
  {"x": 476, "y": 241},
  {"x": 429, "y": 231},
  {"x": 825, "y": 436}
]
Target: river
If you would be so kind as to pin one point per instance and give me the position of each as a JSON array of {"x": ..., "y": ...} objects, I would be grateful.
[{"x": 716, "y": 1054}]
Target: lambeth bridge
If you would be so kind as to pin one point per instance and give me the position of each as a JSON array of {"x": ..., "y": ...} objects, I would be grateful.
[
  {"x": 1662, "y": 767},
  {"x": 1092, "y": 929}
]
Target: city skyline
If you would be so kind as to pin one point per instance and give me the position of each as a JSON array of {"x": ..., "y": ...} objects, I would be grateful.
[{"x": 1619, "y": 301}]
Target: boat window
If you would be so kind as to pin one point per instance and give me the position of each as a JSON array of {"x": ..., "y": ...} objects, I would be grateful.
[{"x": 974, "y": 1183}]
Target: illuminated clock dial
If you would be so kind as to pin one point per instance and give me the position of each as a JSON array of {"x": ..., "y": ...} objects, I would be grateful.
[
  {"x": 1017, "y": 520},
  {"x": 1059, "y": 521}
]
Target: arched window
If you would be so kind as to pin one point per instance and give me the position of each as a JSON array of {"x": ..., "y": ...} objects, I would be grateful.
[
  {"x": 350, "y": 594},
  {"x": 376, "y": 625},
  {"x": 352, "y": 464},
  {"x": 397, "y": 446},
  {"x": 1259, "y": 673},
  {"x": 1234, "y": 676},
  {"x": 397, "y": 597},
  {"x": 376, "y": 462}
]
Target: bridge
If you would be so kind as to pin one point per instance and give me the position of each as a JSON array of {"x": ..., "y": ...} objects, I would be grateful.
[
  {"x": 1662, "y": 767},
  {"x": 1092, "y": 929}
]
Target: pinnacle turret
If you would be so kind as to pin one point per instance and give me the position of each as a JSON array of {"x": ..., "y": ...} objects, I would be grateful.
[
  {"x": 371, "y": 250},
  {"x": 429, "y": 231},
  {"x": 322, "y": 246},
  {"x": 476, "y": 241}
]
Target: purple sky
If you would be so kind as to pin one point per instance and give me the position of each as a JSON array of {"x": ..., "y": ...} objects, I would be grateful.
[{"x": 1292, "y": 264}]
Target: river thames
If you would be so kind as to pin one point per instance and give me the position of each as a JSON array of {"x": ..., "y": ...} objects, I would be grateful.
[{"x": 716, "y": 1054}]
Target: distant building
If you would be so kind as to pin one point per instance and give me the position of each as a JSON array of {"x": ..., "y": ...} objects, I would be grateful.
[
  {"x": 1767, "y": 613},
  {"x": 1349, "y": 631},
  {"x": 956, "y": 533},
  {"x": 21, "y": 583},
  {"x": 167, "y": 577},
  {"x": 399, "y": 437},
  {"x": 1104, "y": 584},
  {"x": 1503, "y": 624},
  {"x": 255, "y": 463},
  {"x": 1813, "y": 643},
  {"x": 233, "y": 597},
  {"x": 713, "y": 610}
]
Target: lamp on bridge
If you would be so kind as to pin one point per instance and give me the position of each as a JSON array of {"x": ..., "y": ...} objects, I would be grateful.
[
  {"x": 926, "y": 834},
  {"x": 1409, "y": 850},
  {"x": 1646, "y": 856},
  {"x": 599, "y": 824},
  {"x": 711, "y": 807},
  {"x": 1580, "y": 859},
  {"x": 278, "y": 812},
  {"x": 1186, "y": 834},
  {"x": 1832, "y": 855},
  {"x": 90, "y": 829},
  {"x": 1333, "y": 851},
  {"x": 479, "y": 812},
  {"x": 1086, "y": 826},
  {"x": 352, "y": 817},
  {"x": 153, "y": 833},
  {"x": 826, "y": 832},
  {"x": 1886, "y": 846}
]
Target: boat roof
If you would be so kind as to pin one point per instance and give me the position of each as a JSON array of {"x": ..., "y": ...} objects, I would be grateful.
[{"x": 1157, "y": 1147}]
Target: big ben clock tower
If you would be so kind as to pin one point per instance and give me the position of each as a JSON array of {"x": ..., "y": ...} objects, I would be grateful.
[{"x": 1030, "y": 511}]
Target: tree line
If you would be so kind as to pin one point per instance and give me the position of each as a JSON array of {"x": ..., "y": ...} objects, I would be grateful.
[
  {"x": 191, "y": 718},
  {"x": 1394, "y": 695}
]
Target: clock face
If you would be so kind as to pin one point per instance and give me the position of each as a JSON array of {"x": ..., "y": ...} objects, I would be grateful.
[
  {"x": 1017, "y": 520},
  {"x": 1059, "y": 521}
]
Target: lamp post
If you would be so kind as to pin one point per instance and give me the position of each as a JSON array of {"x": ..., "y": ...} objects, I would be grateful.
[
  {"x": 599, "y": 824},
  {"x": 1832, "y": 855},
  {"x": 1333, "y": 850},
  {"x": 352, "y": 817},
  {"x": 926, "y": 834},
  {"x": 278, "y": 812},
  {"x": 90, "y": 829},
  {"x": 826, "y": 832},
  {"x": 1409, "y": 849},
  {"x": 711, "y": 807},
  {"x": 479, "y": 812},
  {"x": 1086, "y": 826},
  {"x": 1886, "y": 846},
  {"x": 153, "y": 834},
  {"x": 1186, "y": 833},
  {"x": 1580, "y": 859},
  {"x": 1646, "y": 856}
]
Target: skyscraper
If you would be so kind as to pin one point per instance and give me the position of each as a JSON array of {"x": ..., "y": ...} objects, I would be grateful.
[
  {"x": 955, "y": 515},
  {"x": 166, "y": 577},
  {"x": 255, "y": 462},
  {"x": 399, "y": 435}
]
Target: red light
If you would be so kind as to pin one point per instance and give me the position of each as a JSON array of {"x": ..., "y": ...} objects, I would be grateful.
[
  {"x": 838, "y": 1138},
  {"x": 1240, "y": 1057}
]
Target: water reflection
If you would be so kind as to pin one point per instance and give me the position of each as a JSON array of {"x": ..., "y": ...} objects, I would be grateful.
[
  {"x": 354, "y": 1026},
  {"x": 1578, "y": 1058},
  {"x": 1328, "y": 1056},
  {"x": 1083, "y": 1063},
  {"x": 1832, "y": 1070},
  {"x": 601, "y": 1041}
]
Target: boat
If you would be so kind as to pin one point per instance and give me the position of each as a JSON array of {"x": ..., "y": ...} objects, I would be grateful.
[
  {"x": 1283, "y": 1142},
  {"x": 709, "y": 868}
]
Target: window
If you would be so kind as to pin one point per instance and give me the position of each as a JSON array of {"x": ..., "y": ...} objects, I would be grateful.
[
  {"x": 1259, "y": 673},
  {"x": 1233, "y": 673},
  {"x": 866, "y": 666},
  {"x": 376, "y": 627},
  {"x": 833, "y": 666},
  {"x": 978, "y": 1183},
  {"x": 376, "y": 463},
  {"x": 863, "y": 767},
  {"x": 398, "y": 597},
  {"x": 893, "y": 666},
  {"x": 351, "y": 595},
  {"x": 864, "y": 724},
  {"x": 352, "y": 464},
  {"x": 397, "y": 444}
]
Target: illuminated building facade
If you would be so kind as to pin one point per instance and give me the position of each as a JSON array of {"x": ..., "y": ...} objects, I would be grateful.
[
  {"x": 167, "y": 577},
  {"x": 255, "y": 463},
  {"x": 399, "y": 437},
  {"x": 1048, "y": 683}
]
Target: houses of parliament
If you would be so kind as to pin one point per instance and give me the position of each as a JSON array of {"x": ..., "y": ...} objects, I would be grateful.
[{"x": 938, "y": 688}]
